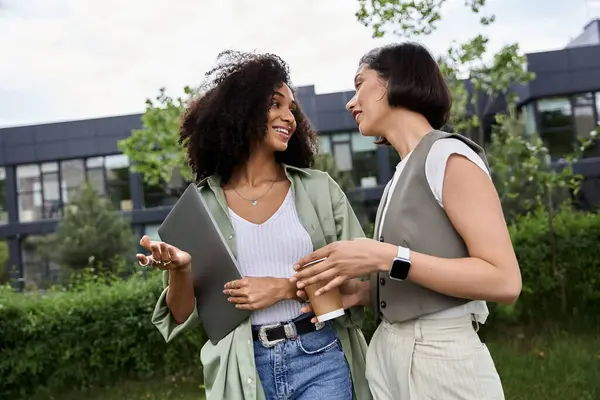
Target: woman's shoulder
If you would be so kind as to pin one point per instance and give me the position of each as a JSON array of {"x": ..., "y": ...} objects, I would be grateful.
[{"x": 317, "y": 177}]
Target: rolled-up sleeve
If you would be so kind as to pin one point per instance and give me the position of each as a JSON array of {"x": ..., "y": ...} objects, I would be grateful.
[{"x": 163, "y": 319}]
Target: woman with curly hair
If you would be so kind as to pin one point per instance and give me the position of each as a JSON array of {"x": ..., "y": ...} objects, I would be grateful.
[{"x": 250, "y": 147}]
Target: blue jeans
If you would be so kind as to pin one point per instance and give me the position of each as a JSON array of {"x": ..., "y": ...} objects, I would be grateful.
[{"x": 310, "y": 367}]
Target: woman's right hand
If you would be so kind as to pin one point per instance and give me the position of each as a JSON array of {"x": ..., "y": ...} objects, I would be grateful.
[{"x": 163, "y": 256}]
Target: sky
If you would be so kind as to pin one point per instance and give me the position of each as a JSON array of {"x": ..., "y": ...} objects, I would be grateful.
[{"x": 75, "y": 59}]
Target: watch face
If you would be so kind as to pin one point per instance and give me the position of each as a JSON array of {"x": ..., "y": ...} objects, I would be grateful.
[{"x": 399, "y": 270}]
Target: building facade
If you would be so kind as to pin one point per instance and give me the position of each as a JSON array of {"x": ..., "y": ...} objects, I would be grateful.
[{"x": 42, "y": 166}]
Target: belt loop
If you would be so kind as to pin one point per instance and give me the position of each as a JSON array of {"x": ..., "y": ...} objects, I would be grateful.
[
  {"x": 418, "y": 330},
  {"x": 474, "y": 323}
]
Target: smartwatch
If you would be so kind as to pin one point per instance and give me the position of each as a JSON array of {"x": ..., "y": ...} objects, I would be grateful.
[{"x": 400, "y": 265}]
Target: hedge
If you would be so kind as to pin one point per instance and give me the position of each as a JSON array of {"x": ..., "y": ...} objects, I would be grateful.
[
  {"x": 89, "y": 337},
  {"x": 101, "y": 333},
  {"x": 560, "y": 267}
]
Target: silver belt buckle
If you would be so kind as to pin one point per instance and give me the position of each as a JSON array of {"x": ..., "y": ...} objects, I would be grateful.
[{"x": 289, "y": 329}]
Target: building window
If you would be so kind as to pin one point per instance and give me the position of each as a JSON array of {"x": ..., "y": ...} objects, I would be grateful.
[
  {"x": 72, "y": 178},
  {"x": 51, "y": 191},
  {"x": 556, "y": 126},
  {"x": 528, "y": 111},
  {"x": 38, "y": 271},
  {"x": 598, "y": 108},
  {"x": 117, "y": 181},
  {"x": 29, "y": 192},
  {"x": 324, "y": 144},
  {"x": 95, "y": 174},
  {"x": 354, "y": 154},
  {"x": 164, "y": 194},
  {"x": 3, "y": 206},
  {"x": 364, "y": 154},
  {"x": 585, "y": 119}
]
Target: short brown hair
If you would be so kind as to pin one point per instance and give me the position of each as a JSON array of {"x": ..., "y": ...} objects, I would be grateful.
[{"x": 414, "y": 81}]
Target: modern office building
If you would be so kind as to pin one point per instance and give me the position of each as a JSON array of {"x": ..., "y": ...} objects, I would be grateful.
[{"x": 41, "y": 166}]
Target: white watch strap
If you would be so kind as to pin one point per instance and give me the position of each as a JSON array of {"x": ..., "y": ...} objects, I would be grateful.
[{"x": 403, "y": 253}]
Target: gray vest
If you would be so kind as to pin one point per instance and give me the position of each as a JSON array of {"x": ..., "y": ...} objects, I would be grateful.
[{"x": 414, "y": 219}]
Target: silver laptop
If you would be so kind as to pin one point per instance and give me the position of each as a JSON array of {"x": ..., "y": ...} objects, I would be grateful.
[{"x": 190, "y": 227}]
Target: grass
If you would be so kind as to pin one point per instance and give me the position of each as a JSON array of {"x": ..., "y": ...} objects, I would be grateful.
[
  {"x": 541, "y": 367},
  {"x": 549, "y": 366},
  {"x": 170, "y": 388}
]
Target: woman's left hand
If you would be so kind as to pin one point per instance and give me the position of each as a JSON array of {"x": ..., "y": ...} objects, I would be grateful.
[
  {"x": 345, "y": 260},
  {"x": 257, "y": 293}
]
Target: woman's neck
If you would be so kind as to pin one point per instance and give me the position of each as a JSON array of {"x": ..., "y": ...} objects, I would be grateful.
[
  {"x": 405, "y": 130},
  {"x": 261, "y": 167}
]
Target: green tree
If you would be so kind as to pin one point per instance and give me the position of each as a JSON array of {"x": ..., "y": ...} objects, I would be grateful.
[
  {"x": 91, "y": 234},
  {"x": 154, "y": 150},
  {"x": 408, "y": 18},
  {"x": 4, "y": 257}
]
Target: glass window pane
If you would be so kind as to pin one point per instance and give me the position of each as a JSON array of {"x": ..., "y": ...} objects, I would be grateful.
[
  {"x": 117, "y": 181},
  {"x": 164, "y": 194},
  {"x": 49, "y": 167},
  {"x": 324, "y": 144},
  {"x": 39, "y": 272},
  {"x": 364, "y": 160},
  {"x": 362, "y": 143},
  {"x": 584, "y": 121},
  {"x": 52, "y": 206},
  {"x": 343, "y": 156},
  {"x": 95, "y": 174},
  {"x": 116, "y": 161},
  {"x": 3, "y": 206},
  {"x": 29, "y": 189},
  {"x": 554, "y": 113},
  {"x": 27, "y": 175},
  {"x": 559, "y": 142},
  {"x": 340, "y": 137},
  {"x": 598, "y": 108},
  {"x": 529, "y": 118},
  {"x": 73, "y": 176},
  {"x": 94, "y": 162}
]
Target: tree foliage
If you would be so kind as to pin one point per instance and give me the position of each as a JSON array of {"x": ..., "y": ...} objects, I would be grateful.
[
  {"x": 464, "y": 64},
  {"x": 92, "y": 233},
  {"x": 154, "y": 150},
  {"x": 408, "y": 18}
]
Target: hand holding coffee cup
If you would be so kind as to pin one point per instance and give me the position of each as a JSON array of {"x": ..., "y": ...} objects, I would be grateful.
[
  {"x": 326, "y": 306},
  {"x": 163, "y": 256}
]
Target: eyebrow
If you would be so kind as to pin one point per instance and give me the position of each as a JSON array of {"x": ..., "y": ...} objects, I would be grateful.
[{"x": 276, "y": 93}]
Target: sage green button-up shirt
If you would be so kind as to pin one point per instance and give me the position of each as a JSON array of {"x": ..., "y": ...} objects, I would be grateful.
[{"x": 228, "y": 367}]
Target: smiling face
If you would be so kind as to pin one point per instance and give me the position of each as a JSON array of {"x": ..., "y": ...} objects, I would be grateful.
[
  {"x": 281, "y": 123},
  {"x": 369, "y": 106}
]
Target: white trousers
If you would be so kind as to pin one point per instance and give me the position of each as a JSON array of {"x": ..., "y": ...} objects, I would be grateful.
[{"x": 440, "y": 359}]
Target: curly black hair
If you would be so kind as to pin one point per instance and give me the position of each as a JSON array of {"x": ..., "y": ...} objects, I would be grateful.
[{"x": 220, "y": 127}]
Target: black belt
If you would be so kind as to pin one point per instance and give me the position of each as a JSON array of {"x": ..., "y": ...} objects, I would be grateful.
[{"x": 271, "y": 334}]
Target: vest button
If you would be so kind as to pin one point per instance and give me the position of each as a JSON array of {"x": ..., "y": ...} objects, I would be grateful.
[
  {"x": 382, "y": 304},
  {"x": 382, "y": 281}
]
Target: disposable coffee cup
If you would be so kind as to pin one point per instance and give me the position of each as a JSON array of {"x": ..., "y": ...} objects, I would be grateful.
[{"x": 328, "y": 305}]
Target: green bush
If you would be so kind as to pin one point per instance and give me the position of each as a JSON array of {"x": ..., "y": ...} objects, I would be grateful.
[
  {"x": 100, "y": 330},
  {"x": 90, "y": 336},
  {"x": 560, "y": 267}
]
